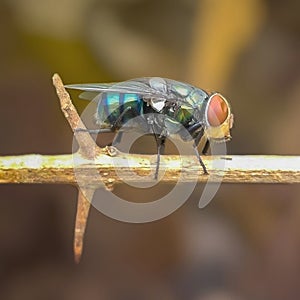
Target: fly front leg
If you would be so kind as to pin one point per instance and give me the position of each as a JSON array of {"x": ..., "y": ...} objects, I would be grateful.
[
  {"x": 206, "y": 148},
  {"x": 196, "y": 143},
  {"x": 200, "y": 159}
]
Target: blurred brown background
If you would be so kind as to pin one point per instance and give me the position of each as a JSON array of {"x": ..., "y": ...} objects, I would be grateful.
[{"x": 246, "y": 243}]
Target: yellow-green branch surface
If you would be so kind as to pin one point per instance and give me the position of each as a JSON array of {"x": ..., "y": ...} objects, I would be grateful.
[{"x": 36, "y": 168}]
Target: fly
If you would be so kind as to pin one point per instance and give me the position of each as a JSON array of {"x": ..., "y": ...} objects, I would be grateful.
[{"x": 165, "y": 107}]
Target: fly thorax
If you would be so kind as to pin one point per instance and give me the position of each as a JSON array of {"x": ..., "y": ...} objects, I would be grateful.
[
  {"x": 173, "y": 127},
  {"x": 158, "y": 84},
  {"x": 157, "y": 104}
]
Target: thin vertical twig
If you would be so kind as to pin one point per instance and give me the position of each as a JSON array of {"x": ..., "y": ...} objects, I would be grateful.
[
  {"x": 82, "y": 213},
  {"x": 88, "y": 149}
]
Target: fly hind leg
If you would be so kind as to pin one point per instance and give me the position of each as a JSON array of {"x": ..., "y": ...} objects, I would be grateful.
[{"x": 118, "y": 122}]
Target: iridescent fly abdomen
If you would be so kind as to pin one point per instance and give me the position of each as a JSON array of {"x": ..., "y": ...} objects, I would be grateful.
[{"x": 113, "y": 105}]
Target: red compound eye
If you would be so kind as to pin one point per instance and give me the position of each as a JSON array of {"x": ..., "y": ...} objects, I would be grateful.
[{"x": 217, "y": 111}]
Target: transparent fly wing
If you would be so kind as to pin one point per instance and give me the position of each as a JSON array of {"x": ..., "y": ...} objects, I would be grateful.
[
  {"x": 92, "y": 87},
  {"x": 88, "y": 95},
  {"x": 155, "y": 89},
  {"x": 139, "y": 86}
]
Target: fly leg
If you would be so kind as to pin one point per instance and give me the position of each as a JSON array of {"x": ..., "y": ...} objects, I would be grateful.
[
  {"x": 160, "y": 141},
  {"x": 200, "y": 159},
  {"x": 196, "y": 142},
  {"x": 114, "y": 126},
  {"x": 160, "y": 151},
  {"x": 206, "y": 147},
  {"x": 118, "y": 138},
  {"x": 118, "y": 122}
]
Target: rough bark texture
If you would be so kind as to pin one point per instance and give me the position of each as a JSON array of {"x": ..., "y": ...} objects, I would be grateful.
[{"x": 131, "y": 168}]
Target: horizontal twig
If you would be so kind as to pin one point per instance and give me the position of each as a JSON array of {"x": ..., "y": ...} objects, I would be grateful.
[{"x": 60, "y": 169}]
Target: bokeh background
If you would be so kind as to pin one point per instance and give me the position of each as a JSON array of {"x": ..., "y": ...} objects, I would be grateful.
[{"x": 246, "y": 243}]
